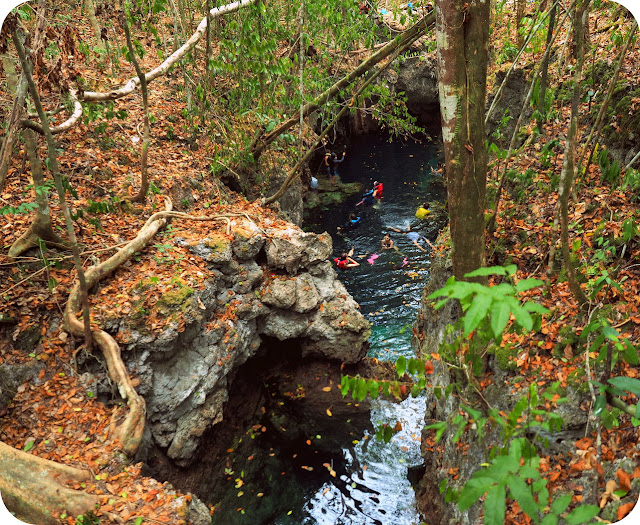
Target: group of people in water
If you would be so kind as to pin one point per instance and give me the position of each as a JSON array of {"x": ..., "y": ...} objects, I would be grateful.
[{"x": 346, "y": 259}]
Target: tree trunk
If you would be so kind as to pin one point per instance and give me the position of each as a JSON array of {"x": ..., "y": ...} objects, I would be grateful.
[
  {"x": 520, "y": 5},
  {"x": 41, "y": 226},
  {"x": 93, "y": 20},
  {"x": 462, "y": 39},
  {"x": 597, "y": 126},
  {"x": 544, "y": 75},
  {"x": 55, "y": 169},
  {"x": 568, "y": 166},
  {"x": 144, "y": 175},
  {"x": 20, "y": 88}
]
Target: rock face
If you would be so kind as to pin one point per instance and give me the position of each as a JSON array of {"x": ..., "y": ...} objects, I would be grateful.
[
  {"x": 418, "y": 78},
  {"x": 266, "y": 283}
]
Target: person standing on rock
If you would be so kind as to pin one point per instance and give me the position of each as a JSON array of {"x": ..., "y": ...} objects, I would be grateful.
[{"x": 330, "y": 161}]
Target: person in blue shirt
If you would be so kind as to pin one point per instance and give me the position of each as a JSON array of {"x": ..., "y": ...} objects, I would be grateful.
[
  {"x": 367, "y": 199},
  {"x": 352, "y": 222}
]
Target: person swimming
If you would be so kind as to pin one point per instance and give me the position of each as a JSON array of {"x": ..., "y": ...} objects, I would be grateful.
[
  {"x": 345, "y": 261},
  {"x": 352, "y": 222},
  {"x": 423, "y": 211},
  {"x": 387, "y": 242},
  {"x": 415, "y": 238},
  {"x": 367, "y": 198}
]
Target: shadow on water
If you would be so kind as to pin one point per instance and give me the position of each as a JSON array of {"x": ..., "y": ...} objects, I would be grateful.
[{"x": 371, "y": 484}]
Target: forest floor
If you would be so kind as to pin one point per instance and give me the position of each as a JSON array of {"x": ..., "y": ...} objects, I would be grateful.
[{"x": 56, "y": 415}]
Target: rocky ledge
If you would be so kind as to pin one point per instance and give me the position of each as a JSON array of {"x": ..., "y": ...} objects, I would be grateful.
[{"x": 264, "y": 283}]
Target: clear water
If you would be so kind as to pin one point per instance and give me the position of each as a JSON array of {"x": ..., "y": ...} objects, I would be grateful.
[{"x": 371, "y": 485}]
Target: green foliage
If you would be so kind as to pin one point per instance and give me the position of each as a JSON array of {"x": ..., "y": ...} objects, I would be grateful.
[
  {"x": 513, "y": 470},
  {"x": 90, "y": 518},
  {"x": 610, "y": 171},
  {"x": 631, "y": 184},
  {"x": 22, "y": 208},
  {"x": 491, "y": 305},
  {"x": 102, "y": 111},
  {"x": 609, "y": 348}
]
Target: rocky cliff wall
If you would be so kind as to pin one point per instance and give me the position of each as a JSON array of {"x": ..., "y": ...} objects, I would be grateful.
[{"x": 275, "y": 283}]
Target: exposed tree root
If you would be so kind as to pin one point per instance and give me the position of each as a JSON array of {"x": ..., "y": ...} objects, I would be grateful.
[
  {"x": 129, "y": 432},
  {"x": 34, "y": 487}
]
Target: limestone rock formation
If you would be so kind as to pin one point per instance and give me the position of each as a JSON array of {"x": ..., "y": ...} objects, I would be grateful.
[{"x": 272, "y": 283}]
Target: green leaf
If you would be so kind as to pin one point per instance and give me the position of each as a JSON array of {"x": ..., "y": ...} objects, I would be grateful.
[
  {"x": 528, "y": 284},
  {"x": 561, "y": 503},
  {"x": 374, "y": 389},
  {"x": 521, "y": 492},
  {"x": 499, "y": 318},
  {"x": 28, "y": 445},
  {"x": 599, "y": 405},
  {"x": 401, "y": 365},
  {"x": 550, "y": 519},
  {"x": 494, "y": 505},
  {"x": 345, "y": 384},
  {"x": 473, "y": 490},
  {"x": 610, "y": 333},
  {"x": 532, "y": 306},
  {"x": 484, "y": 272},
  {"x": 582, "y": 514},
  {"x": 522, "y": 317},
  {"x": 476, "y": 313},
  {"x": 139, "y": 520},
  {"x": 626, "y": 383},
  {"x": 630, "y": 354},
  {"x": 360, "y": 389}
]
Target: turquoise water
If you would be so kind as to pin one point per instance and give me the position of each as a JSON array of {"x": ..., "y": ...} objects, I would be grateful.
[
  {"x": 372, "y": 486},
  {"x": 388, "y": 290}
]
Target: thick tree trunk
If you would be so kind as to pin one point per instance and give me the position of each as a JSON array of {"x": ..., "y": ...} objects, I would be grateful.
[
  {"x": 462, "y": 37},
  {"x": 568, "y": 167}
]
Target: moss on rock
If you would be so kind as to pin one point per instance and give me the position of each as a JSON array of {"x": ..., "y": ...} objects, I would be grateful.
[{"x": 177, "y": 299}]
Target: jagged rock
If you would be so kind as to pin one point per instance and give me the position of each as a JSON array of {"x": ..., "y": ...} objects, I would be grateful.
[
  {"x": 247, "y": 242},
  {"x": 280, "y": 293},
  {"x": 292, "y": 249},
  {"x": 273, "y": 283}
]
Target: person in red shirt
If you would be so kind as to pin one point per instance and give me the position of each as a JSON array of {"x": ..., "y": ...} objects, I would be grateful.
[
  {"x": 345, "y": 261},
  {"x": 377, "y": 190}
]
